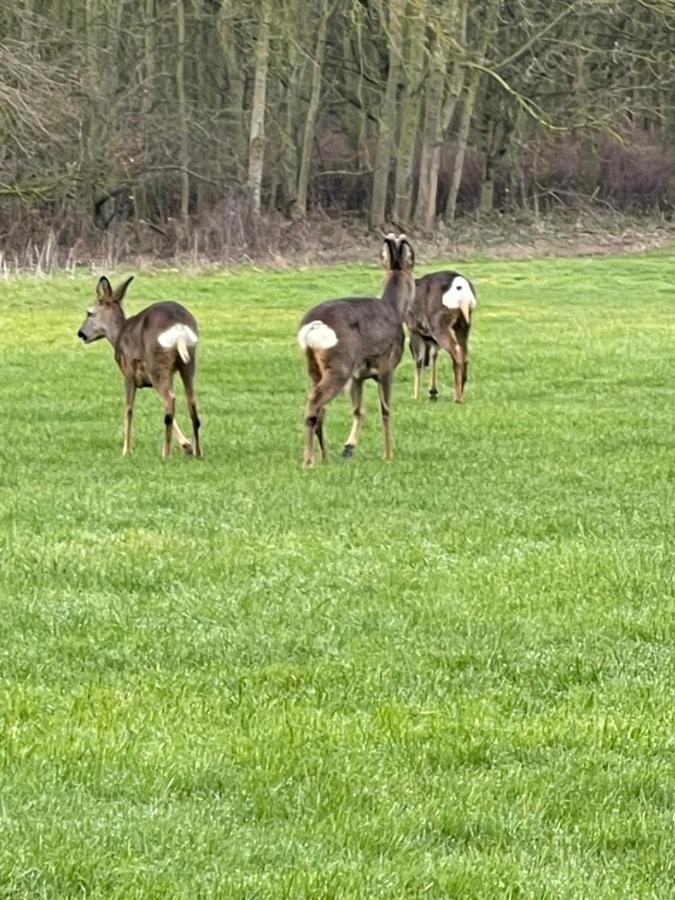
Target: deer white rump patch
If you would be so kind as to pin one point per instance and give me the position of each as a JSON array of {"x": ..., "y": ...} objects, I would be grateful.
[
  {"x": 169, "y": 338},
  {"x": 317, "y": 336},
  {"x": 459, "y": 292},
  {"x": 180, "y": 336}
]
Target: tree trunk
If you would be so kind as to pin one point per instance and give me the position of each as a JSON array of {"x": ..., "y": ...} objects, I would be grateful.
[
  {"x": 462, "y": 143},
  {"x": 354, "y": 116},
  {"x": 456, "y": 25},
  {"x": 467, "y": 111},
  {"x": 487, "y": 188},
  {"x": 256, "y": 151},
  {"x": 387, "y": 119},
  {"x": 236, "y": 86},
  {"x": 148, "y": 55},
  {"x": 95, "y": 116},
  {"x": 285, "y": 171},
  {"x": 425, "y": 209},
  {"x": 182, "y": 113},
  {"x": 410, "y": 118},
  {"x": 439, "y": 106},
  {"x": 299, "y": 208}
]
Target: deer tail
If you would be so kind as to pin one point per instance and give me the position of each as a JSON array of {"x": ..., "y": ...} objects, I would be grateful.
[
  {"x": 182, "y": 347},
  {"x": 180, "y": 336}
]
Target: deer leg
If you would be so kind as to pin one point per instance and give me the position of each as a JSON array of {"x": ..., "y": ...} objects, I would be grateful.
[
  {"x": 385, "y": 384},
  {"x": 356, "y": 393},
  {"x": 419, "y": 372},
  {"x": 459, "y": 368},
  {"x": 450, "y": 343},
  {"x": 433, "y": 383},
  {"x": 321, "y": 394},
  {"x": 196, "y": 424},
  {"x": 130, "y": 391},
  {"x": 320, "y": 436},
  {"x": 187, "y": 375},
  {"x": 419, "y": 352},
  {"x": 165, "y": 390},
  {"x": 181, "y": 439}
]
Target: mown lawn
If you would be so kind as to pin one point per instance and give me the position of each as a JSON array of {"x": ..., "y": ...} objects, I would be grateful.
[{"x": 450, "y": 675}]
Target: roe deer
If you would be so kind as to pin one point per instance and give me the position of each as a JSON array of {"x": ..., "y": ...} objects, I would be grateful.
[
  {"x": 441, "y": 317},
  {"x": 349, "y": 340},
  {"x": 150, "y": 348}
]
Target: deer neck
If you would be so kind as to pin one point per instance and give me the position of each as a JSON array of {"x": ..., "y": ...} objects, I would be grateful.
[
  {"x": 399, "y": 293},
  {"x": 116, "y": 324}
]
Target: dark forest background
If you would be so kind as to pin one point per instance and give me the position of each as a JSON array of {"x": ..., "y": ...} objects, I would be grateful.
[{"x": 223, "y": 128}]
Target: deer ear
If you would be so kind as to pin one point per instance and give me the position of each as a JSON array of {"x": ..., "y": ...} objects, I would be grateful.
[
  {"x": 389, "y": 251},
  {"x": 121, "y": 290},
  {"x": 406, "y": 253},
  {"x": 104, "y": 292}
]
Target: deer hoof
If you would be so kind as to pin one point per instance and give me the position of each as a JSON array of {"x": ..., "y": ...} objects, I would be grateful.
[
  {"x": 347, "y": 451},
  {"x": 433, "y": 394},
  {"x": 459, "y": 400},
  {"x": 187, "y": 449}
]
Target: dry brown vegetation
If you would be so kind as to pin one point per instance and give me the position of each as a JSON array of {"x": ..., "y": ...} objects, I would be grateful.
[{"x": 209, "y": 130}]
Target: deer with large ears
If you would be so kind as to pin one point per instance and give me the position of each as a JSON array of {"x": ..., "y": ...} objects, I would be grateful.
[
  {"x": 150, "y": 348},
  {"x": 349, "y": 340},
  {"x": 441, "y": 318}
]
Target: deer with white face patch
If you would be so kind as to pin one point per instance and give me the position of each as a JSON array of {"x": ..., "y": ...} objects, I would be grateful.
[
  {"x": 150, "y": 347},
  {"x": 350, "y": 340},
  {"x": 441, "y": 317}
]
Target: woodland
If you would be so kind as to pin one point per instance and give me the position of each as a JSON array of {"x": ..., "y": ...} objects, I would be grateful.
[{"x": 224, "y": 126}]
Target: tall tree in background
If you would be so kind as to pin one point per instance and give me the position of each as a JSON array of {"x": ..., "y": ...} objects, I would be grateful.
[
  {"x": 309, "y": 132},
  {"x": 391, "y": 16},
  {"x": 134, "y": 116},
  {"x": 444, "y": 84},
  {"x": 256, "y": 147},
  {"x": 410, "y": 107},
  {"x": 183, "y": 125}
]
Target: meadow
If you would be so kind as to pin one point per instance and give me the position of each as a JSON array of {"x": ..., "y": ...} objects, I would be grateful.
[{"x": 448, "y": 675}]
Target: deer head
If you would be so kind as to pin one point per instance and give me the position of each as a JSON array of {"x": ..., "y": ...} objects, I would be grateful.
[{"x": 103, "y": 318}]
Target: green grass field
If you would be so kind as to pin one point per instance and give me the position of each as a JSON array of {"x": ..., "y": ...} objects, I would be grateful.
[{"x": 449, "y": 675}]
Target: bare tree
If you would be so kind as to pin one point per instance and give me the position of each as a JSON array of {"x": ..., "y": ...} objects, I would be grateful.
[
  {"x": 393, "y": 23},
  {"x": 256, "y": 152}
]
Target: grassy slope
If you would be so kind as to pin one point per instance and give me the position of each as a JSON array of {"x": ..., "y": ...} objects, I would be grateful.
[{"x": 450, "y": 675}]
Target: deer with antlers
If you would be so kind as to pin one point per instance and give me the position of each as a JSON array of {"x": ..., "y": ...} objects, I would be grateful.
[
  {"x": 352, "y": 339},
  {"x": 150, "y": 347}
]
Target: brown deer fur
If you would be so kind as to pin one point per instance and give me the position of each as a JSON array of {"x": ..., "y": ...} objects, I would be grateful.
[
  {"x": 441, "y": 318},
  {"x": 150, "y": 347},
  {"x": 349, "y": 340}
]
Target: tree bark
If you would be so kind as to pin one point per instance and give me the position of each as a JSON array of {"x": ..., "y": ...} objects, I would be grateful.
[
  {"x": 387, "y": 118},
  {"x": 148, "y": 55},
  {"x": 439, "y": 105},
  {"x": 299, "y": 208},
  {"x": 425, "y": 209},
  {"x": 182, "y": 113},
  {"x": 410, "y": 115},
  {"x": 462, "y": 144},
  {"x": 286, "y": 171},
  {"x": 354, "y": 115},
  {"x": 236, "y": 87},
  {"x": 256, "y": 152},
  {"x": 468, "y": 110}
]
